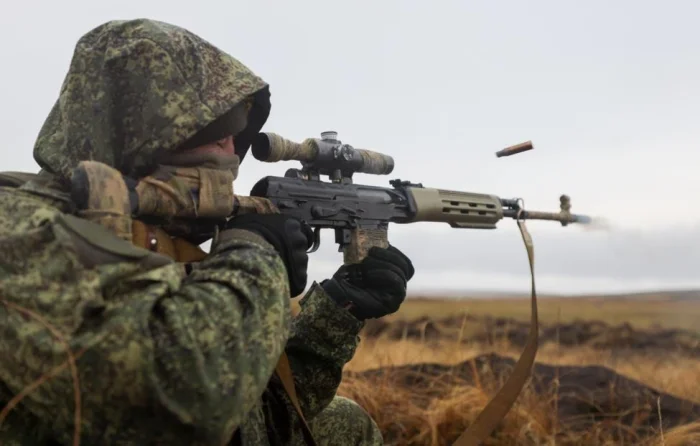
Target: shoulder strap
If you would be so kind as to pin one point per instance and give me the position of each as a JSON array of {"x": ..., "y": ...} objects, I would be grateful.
[
  {"x": 15, "y": 179},
  {"x": 284, "y": 372}
]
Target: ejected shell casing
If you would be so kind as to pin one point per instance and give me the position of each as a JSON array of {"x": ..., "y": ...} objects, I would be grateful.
[{"x": 512, "y": 150}]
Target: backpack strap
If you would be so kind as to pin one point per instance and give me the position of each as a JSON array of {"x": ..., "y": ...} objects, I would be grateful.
[{"x": 16, "y": 179}]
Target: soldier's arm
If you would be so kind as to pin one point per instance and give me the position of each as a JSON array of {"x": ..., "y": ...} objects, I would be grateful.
[
  {"x": 325, "y": 333},
  {"x": 324, "y": 338},
  {"x": 184, "y": 357}
]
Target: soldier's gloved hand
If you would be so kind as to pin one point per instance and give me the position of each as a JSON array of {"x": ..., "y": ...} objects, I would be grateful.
[
  {"x": 374, "y": 287},
  {"x": 290, "y": 237}
]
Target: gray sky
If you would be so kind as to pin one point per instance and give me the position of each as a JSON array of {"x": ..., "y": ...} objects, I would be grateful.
[{"x": 609, "y": 93}]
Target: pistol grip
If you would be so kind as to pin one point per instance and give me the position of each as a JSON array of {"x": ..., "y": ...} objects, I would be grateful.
[{"x": 361, "y": 240}]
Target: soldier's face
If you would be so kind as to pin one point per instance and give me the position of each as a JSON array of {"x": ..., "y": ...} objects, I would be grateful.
[
  {"x": 221, "y": 148},
  {"x": 219, "y": 154}
]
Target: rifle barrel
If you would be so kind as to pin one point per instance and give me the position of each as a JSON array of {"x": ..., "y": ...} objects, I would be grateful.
[{"x": 563, "y": 217}]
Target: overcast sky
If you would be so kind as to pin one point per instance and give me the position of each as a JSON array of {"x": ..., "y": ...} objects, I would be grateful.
[{"x": 609, "y": 93}]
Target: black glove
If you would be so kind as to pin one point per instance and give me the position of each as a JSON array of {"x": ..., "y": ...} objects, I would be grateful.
[
  {"x": 374, "y": 287},
  {"x": 290, "y": 237}
]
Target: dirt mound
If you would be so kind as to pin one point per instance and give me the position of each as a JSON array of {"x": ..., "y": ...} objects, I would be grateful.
[
  {"x": 584, "y": 399},
  {"x": 490, "y": 331}
]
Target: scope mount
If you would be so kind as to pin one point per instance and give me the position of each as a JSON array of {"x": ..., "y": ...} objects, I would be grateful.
[{"x": 334, "y": 159}]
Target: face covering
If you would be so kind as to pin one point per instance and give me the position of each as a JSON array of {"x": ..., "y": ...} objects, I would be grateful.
[{"x": 220, "y": 154}]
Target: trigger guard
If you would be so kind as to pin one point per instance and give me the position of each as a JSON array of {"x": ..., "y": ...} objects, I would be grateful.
[{"x": 316, "y": 239}]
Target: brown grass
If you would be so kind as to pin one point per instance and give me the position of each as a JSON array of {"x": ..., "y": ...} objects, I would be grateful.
[
  {"x": 643, "y": 311},
  {"x": 438, "y": 415},
  {"x": 438, "y": 420}
]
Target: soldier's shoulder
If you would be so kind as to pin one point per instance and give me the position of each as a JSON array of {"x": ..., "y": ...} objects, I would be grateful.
[{"x": 21, "y": 211}]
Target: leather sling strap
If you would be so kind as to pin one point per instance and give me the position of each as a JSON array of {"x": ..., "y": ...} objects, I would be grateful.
[
  {"x": 489, "y": 418},
  {"x": 284, "y": 372}
]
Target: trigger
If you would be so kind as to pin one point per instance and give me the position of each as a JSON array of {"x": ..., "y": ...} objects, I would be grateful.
[
  {"x": 308, "y": 232},
  {"x": 316, "y": 240}
]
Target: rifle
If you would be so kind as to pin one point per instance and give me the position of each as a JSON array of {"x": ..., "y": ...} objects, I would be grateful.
[{"x": 360, "y": 216}]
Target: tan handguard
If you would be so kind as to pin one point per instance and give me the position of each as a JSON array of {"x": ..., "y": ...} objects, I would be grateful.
[
  {"x": 458, "y": 209},
  {"x": 471, "y": 210}
]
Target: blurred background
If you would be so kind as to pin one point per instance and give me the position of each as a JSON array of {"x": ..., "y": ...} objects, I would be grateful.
[{"x": 607, "y": 91}]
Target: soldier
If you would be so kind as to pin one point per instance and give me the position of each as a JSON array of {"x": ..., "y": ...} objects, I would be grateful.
[{"x": 168, "y": 353}]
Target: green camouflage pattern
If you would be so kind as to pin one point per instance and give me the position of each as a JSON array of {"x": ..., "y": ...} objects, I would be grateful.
[
  {"x": 164, "y": 356},
  {"x": 136, "y": 90},
  {"x": 345, "y": 423},
  {"x": 323, "y": 339},
  {"x": 168, "y": 358}
]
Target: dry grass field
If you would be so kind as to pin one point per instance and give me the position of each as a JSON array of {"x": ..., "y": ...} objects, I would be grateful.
[
  {"x": 617, "y": 370},
  {"x": 610, "y": 370}
]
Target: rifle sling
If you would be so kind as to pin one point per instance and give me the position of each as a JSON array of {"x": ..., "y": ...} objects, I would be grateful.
[
  {"x": 284, "y": 372},
  {"x": 489, "y": 418}
]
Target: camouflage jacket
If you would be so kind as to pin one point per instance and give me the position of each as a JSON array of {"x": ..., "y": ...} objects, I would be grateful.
[{"x": 162, "y": 357}]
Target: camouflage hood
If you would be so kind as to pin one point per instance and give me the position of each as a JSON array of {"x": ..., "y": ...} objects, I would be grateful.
[{"x": 138, "y": 89}]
